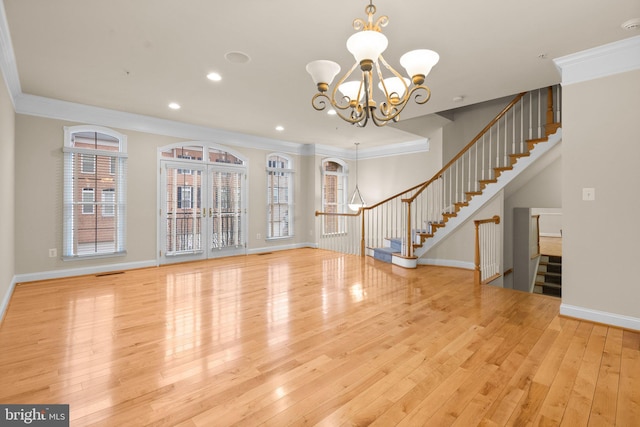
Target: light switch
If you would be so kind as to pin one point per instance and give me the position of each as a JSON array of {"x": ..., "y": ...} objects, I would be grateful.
[{"x": 588, "y": 194}]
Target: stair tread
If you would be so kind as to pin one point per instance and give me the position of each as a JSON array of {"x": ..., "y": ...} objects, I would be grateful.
[
  {"x": 387, "y": 250},
  {"x": 549, "y": 285},
  {"x": 543, "y": 139},
  {"x": 549, "y": 273}
]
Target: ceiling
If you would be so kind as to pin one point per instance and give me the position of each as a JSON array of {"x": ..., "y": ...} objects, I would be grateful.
[{"x": 138, "y": 56}]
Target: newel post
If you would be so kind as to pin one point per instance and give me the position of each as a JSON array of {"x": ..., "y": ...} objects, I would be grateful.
[
  {"x": 551, "y": 126},
  {"x": 409, "y": 242}
]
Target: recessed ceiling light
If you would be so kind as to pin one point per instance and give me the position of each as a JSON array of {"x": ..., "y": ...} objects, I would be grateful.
[
  {"x": 279, "y": 128},
  {"x": 237, "y": 57},
  {"x": 174, "y": 106},
  {"x": 214, "y": 77}
]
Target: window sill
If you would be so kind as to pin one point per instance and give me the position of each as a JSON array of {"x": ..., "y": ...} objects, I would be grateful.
[
  {"x": 268, "y": 239},
  {"x": 93, "y": 256}
]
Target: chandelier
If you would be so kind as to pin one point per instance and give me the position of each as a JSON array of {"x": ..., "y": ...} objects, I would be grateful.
[{"x": 355, "y": 101}]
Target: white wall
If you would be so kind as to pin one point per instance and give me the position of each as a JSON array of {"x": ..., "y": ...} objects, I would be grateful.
[
  {"x": 7, "y": 197},
  {"x": 601, "y": 150}
]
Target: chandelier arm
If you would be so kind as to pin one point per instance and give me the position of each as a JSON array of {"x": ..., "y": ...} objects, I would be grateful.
[
  {"x": 355, "y": 117},
  {"x": 335, "y": 90},
  {"x": 318, "y": 103},
  {"x": 382, "y": 22},
  {"x": 392, "y": 112},
  {"x": 418, "y": 96},
  {"x": 393, "y": 71}
]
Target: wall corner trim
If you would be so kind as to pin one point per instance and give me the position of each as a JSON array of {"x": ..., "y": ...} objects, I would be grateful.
[{"x": 606, "y": 318}]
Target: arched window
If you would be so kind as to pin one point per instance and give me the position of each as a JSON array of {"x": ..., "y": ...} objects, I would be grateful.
[
  {"x": 334, "y": 195},
  {"x": 279, "y": 196},
  {"x": 95, "y": 170}
]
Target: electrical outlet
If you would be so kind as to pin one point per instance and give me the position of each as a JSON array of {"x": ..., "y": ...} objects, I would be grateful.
[
  {"x": 258, "y": 236},
  {"x": 53, "y": 252}
]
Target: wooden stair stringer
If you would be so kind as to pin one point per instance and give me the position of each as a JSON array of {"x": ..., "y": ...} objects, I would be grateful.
[{"x": 477, "y": 201}]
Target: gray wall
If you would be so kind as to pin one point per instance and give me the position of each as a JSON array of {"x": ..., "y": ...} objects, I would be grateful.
[
  {"x": 544, "y": 190},
  {"x": 601, "y": 149},
  {"x": 467, "y": 123},
  {"x": 38, "y": 153},
  {"x": 39, "y": 143},
  {"x": 7, "y": 196}
]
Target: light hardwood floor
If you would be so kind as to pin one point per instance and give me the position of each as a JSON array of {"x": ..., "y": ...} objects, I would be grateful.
[{"x": 310, "y": 337}]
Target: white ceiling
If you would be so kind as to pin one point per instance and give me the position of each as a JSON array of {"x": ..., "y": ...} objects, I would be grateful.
[{"x": 138, "y": 55}]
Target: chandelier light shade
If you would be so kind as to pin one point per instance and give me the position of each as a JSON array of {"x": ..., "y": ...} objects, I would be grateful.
[
  {"x": 356, "y": 201},
  {"x": 354, "y": 99}
]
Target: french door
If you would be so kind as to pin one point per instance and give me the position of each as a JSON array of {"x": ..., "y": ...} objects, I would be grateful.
[{"x": 203, "y": 213}]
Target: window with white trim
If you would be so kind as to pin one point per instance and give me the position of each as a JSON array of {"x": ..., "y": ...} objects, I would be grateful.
[
  {"x": 95, "y": 161},
  {"x": 279, "y": 196},
  {"x": 334, "y": 195}
]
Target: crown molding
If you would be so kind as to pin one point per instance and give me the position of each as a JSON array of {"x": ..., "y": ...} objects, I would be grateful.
[
  {"x": 420, "y": 145},
  {"x": 601, "y": 61},
  {"x": 63, "y": 110}
]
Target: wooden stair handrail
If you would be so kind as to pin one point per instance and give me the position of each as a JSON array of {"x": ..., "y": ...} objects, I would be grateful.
[{"x": 469, "y": 145}]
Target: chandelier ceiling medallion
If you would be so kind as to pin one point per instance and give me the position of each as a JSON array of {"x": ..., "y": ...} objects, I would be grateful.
[{"x": 355, "y": 103}]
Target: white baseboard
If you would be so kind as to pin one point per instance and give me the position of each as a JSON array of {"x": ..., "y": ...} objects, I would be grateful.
[
  {"x": 281, "y": 248},
  {"x": 550, "y": 235},
  {"x": 447, "y": 263},
  {"x": 603, "y": 317},
  {"x": 81, "y": 271},
  {"x": 6, "y": 298}
]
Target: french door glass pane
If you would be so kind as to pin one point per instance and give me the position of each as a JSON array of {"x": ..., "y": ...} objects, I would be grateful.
[
  {"x": 226, "y": 227},
  {"x": 183, "y": 209}
]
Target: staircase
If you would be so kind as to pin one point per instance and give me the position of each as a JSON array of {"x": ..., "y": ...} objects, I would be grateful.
[
  {"x": 549, "y": 276},
  {"x": 403, "y": 227},
  {"x": 516, "y": 138}
]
